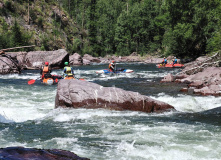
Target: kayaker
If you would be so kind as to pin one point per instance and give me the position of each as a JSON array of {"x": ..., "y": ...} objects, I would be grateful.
[
  {"x": 175, "y": 60},
  {"x": 68, "y": 71},
  {"x": 112, "y": 66},
  {"x": 45, "y": 71},
  {"x": 164, "y": 62}
]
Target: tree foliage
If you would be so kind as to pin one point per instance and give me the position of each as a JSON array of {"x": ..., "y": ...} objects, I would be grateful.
[
  {"x": 183, "y": 28},
  {"x": 13, "y": 37}
]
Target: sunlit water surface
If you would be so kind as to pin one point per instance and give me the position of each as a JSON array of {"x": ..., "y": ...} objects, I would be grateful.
[{"x": 28, "y": 118}]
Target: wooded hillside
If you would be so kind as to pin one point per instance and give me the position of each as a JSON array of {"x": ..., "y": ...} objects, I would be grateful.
[{"x": 183, "y": 28}]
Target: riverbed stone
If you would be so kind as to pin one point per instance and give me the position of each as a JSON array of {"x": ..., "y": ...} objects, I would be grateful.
[
  {"x": 21, "y": 153},
  {"x": 84, "y": 94}
]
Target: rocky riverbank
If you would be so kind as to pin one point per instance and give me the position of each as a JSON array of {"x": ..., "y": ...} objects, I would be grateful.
[
  {"x": 15, "y": 62},
  {"x": 202, "y": 77},
  {"x": 198, "y": 75}
]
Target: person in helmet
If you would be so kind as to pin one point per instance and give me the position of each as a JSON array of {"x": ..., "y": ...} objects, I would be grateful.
[
  {"x": 45, "y": 71},
  {"x": 164, "y": 62},
  {"x": 112, "y": 66},
  {"x": 175, "y": 60},
  {"x": 68, "y": 71}
]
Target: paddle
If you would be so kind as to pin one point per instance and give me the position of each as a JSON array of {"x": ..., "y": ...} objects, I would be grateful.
[{"x": 32, "y": 81}]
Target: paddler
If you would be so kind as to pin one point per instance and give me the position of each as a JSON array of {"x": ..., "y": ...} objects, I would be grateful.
[
  {"x": 174, "y": 60},
  {"x": 164, "y": 62},
  {"x": 112, "y": 66},
  {"x": 45, "y": 71},
  {"x": 68, "y": 71}
]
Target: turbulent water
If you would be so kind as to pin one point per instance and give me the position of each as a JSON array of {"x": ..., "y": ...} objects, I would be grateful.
[{"x": 28, "y": 119}]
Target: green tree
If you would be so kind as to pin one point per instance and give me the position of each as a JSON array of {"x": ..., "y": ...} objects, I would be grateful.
[
  {"x": 191, "y": 27},
  {"x": 108, "y": 12},
  {"x": 93, "y": 28}
]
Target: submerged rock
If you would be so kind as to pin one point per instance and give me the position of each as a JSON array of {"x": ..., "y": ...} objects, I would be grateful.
[
  {"x": 77, "y": 94},
  {"x": 21, "y": 153}
]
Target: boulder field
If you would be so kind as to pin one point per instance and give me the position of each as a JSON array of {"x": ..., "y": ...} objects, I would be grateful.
[
  {"x": 205, "y": 83},
  {"x": 84, "y": 94},
  {"x": 202, "y": 76}
]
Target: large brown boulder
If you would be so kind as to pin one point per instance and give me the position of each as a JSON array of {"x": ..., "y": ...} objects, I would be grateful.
[
  {"x": 21, "y": 153},
  {"x": 56, "y": 59},
  {"x": 76, "y": 94}
]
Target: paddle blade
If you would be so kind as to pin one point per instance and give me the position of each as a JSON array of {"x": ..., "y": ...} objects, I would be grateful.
[{"x": 31, "y": 81}]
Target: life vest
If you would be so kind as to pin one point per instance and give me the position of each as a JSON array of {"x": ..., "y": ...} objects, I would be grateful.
[
  {"x": 45, "y": 70},
  {"x": 175, "y": 61},
  {"x": 110, "y": 67},
  {"x": 68, "y": 71}
]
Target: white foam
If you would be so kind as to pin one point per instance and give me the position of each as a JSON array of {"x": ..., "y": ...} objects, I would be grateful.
[
  {"x": 4, "y": 119},
  {"x": 22, "y": 105},
  {"x": 187, "y": 103}
]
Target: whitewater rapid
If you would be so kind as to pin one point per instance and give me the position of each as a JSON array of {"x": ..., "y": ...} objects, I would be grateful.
[{"x": 28, "y": 118}]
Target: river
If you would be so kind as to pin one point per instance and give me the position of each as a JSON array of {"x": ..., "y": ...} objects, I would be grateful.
[{"x": 28, "y": 118}]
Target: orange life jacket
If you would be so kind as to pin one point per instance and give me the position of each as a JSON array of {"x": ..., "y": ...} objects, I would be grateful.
[
  {"x": 45, "y": 70},
  {"x": 111, "y": 69}
]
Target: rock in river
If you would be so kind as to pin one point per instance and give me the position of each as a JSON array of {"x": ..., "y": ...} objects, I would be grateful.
[
  {"x": 21, "y": 153},
  {"x": 84, "y": 94}
]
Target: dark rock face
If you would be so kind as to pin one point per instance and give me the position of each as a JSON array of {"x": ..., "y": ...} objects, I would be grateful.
[
  {"x": 20, "y": 153},
  {"x": 9, "y": 64},
  {"x": 76, "y": 94}
]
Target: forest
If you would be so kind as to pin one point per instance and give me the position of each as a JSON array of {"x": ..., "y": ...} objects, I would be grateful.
[{"x": 183, "y": 28}]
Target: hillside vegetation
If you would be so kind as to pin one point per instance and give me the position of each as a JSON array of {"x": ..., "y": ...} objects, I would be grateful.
[{"x": 183, "y": 28}]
